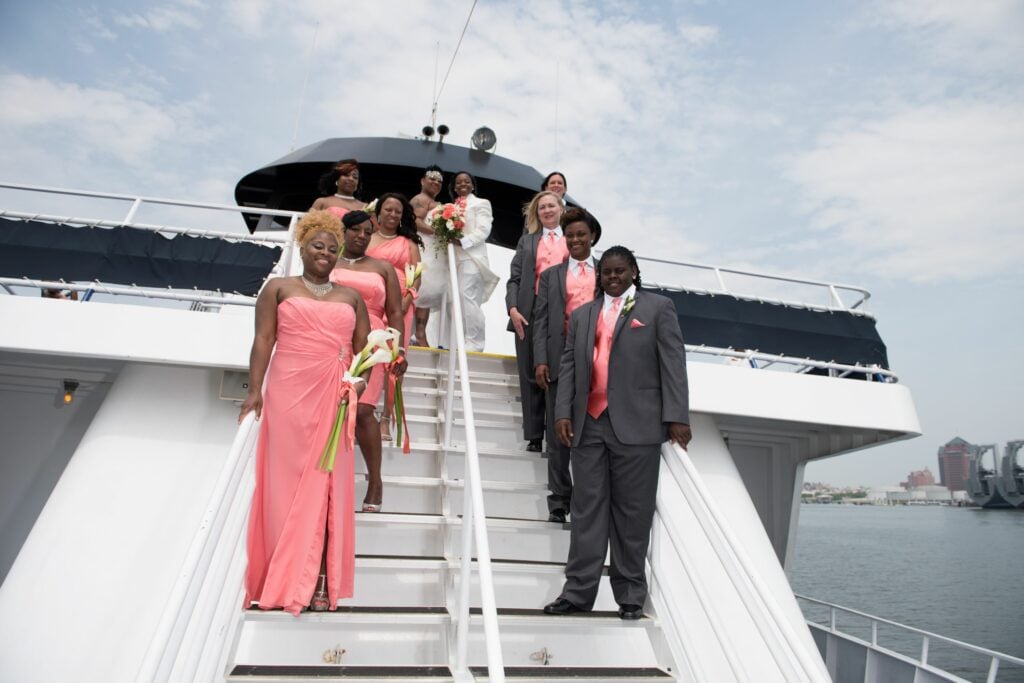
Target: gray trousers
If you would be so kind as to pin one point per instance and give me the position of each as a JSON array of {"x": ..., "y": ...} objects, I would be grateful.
[
  {"x": 613, "y": 500},
  {"x": 532, "y": 395},
  {"x": 559, "y": 479}
]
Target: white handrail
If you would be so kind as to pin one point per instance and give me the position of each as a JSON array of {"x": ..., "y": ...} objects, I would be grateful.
[
  {"x": 831, "y": 287},
  {"x": 721, "y": 631},
  {"x": 995, "y": 656},
  {"x": 163, "y": 647},
  {"x": 235, "y": 300},
  {"x": 766, "y": 613},
  {"x": 473, "y": 501},
  {"x": 139, "y": 200},
  {"x": 100, "y": 223}
]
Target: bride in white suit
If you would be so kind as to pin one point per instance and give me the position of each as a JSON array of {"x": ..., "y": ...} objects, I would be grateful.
[{"x": 476, "y": 279}]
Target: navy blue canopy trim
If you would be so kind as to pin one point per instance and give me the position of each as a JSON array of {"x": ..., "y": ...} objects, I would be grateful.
[
  {"x": 726, "y": 321},
  {"x": 123, "y": 255}
]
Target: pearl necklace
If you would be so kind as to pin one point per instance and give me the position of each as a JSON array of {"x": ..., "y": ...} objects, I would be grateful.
[
  {"x": 317, "y": 290},
  {"x": 350, "y": 261},
  {"x": 343, "y": 196},
  {"x": 387, "y": 237}
]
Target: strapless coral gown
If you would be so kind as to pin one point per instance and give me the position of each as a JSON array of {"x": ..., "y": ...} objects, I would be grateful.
[
  {"x": 396, "y": 252},
  {"x": 371, "y": 287},
  {"x": 294, "y": 501}
]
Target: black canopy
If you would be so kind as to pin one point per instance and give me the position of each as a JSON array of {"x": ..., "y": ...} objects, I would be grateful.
[
  {"x": 391, "y": 165},
  {"x": 48, "y": 251},
  {"x": 726, "y": 321}
]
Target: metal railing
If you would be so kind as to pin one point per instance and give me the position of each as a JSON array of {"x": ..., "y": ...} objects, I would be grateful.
[
  {"x": 995, "y": 658},
  {"x": 795, "y": 662},
  {"x": 182, "y": 607},
  {"x": 832, "y": 289},
  {"x": 474, "y": 520},
  {"x": 137, "y": 202},
  {"x": 801, "y": 365}
]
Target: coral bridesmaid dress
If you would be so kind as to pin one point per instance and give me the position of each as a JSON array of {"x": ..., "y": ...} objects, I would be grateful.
[
  {"x": 371, "y": 287},
  {"x": 295, "y": 501},
  {"x": 396, "y": 252}
]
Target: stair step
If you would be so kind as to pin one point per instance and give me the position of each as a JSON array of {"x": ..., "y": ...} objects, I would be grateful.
[
  {"x": 351, "y": 674},
  {"x": 536, "y": 674}
]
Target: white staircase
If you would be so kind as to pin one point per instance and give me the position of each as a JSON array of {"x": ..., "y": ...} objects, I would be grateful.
[{"x": 401, "y": 624}]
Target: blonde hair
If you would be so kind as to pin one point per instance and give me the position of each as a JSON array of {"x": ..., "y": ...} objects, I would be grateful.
[
  {"x": 318, "y": 221},
  {"x": 530, "y": 210}
]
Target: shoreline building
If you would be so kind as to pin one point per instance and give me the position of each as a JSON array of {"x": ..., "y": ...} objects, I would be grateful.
[
  {"x": 919, "y": 478},
  {"x": 954, "y": 464}
]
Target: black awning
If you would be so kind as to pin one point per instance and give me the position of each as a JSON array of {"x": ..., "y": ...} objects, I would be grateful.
[
  {"x": 122, "y": 255},
  {"x": 726, "y": 321},
  {"x": 391, "y": 165}
]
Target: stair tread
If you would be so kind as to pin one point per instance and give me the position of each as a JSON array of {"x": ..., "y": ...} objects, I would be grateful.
[
  {"x": 339, "y": 671},
  {"x": 579, "y": 672},
  {"x": 536, "y": 612}
]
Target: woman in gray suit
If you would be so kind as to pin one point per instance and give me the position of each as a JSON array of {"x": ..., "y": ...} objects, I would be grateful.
[
  {"x": 541, "y": 247},
  {"x": 622, "y": 392}
]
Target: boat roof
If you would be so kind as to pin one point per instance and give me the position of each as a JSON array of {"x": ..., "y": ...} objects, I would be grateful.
[{"x": 391, "y": 165}]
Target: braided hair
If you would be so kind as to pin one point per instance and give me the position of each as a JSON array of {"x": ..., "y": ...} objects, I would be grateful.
[
  {"x": 622, "y": 252},
  {"x": 407, "y": 224}
]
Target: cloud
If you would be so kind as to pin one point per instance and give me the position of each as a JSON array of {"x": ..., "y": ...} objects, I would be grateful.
[
  {"x": 930, "y": 193},
  {"x": 102, "y": 121},
  {"x": 162, "y": 18},
  {"x": 248, "y": 15},
  {"x": 982, "y": 35}
]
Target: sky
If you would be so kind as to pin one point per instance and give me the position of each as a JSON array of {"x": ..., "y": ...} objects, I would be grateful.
[{"x": 879, "y": 144}]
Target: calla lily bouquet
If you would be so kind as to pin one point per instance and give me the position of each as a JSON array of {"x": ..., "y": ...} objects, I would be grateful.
[
  {"x": 378, "y": 349},
  {"x": 448, "y": 221},
  {"x": 397, "y": 400},
  {"x": 412, "y": 273}
]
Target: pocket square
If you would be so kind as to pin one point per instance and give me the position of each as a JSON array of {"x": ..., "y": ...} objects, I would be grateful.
[{"x": 634, "y": 323}]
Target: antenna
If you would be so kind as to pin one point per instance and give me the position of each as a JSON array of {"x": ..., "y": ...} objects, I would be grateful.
[{"x": 437, "y": 91}]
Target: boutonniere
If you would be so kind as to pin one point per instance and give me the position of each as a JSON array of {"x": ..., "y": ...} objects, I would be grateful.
[
  {"x": 630, "y": 302},
  {"x": 634, "y": 323}
]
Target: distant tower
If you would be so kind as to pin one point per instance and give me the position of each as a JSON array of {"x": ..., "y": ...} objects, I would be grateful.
[
  {"x": 954, "y": 463},
  {"x": 919, "y": 478}
]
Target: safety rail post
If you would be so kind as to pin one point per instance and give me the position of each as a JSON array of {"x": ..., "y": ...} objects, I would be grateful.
[
  {"x": 472, "y": 487},
  {"x": 163, "y": 647},
  {"x": 289, "y": 249},
  {"x": 993, "y": 670},
  {"x": 874, "y": 633},
  {"x": 835, "y": 296},
  {"x": 721, "y": 281},
  {"x": 132, "y": 210},
  {"x": 924, "y": 650}
]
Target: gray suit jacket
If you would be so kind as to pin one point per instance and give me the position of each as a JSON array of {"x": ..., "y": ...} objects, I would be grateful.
[
  {"x": 519, "y": 290},
  {"x": 549, "y": 317},
  {"x": 646, "y": 370}
]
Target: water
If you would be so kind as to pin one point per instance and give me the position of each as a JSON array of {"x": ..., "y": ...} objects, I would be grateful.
[{"x": 956, "y": 572}]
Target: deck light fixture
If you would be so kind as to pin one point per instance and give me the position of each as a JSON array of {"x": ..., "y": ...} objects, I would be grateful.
[
  {"x": 484, "y": 139},
  {"x": 68, "y": 395}
]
